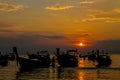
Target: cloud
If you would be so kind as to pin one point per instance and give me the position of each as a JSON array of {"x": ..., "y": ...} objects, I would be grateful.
[
  {"x": 99, "y": 11},
  {"x": 17, "y": 30},
  {"x": 84, "y": 35},
  {"x": 5, "y": 25},
  {"x": 103, "y": 15},
  {"x": 117, "y": 10},
  {"x": 99, "y": 1},
  {"x": 87, "y": 2},
  {"x": 113, "y": 20},
  {"x": 31, "y": 40},
  {"x": 104, "y": 11},
  {"x": 79, "y": 35},
  {"x": 105, "y": 19},
  {"x": 51, "y": 36},
  {"x": 8, "y": 7},
  {"x": 57, "y": 7},
  {"x": 8, "y": 29},
  {"x": 4, "y": 30},
  {"x": 110, "y": 45}
]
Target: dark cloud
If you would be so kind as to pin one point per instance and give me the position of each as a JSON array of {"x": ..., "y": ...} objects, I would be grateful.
[
  {"x": 33, "y": 41},
  {"x": 84, "y": 35},
  {"x": 4, "y": 30},
  {"x": 5, "y": 25},
  {"x": 9, "y": 27},
  {"x": 52, "y": 36},
  {"x": 29, "y": 40},
  {"x": 110, "y": 45},
  {"x": 78, "y": 35}
]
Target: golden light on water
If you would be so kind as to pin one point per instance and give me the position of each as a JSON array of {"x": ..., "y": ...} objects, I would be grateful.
[
  {"x": 81, "y": 75},
  {"x": 81, "y": 63}
]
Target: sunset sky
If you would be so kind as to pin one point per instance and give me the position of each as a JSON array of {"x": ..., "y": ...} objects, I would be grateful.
[{"x": 36, "y": 24}]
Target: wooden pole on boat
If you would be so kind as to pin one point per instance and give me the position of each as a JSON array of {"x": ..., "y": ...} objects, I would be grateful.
[
  {"x": 16, "y": 53},
  {"x": 58, "y": 51},
  {"x": 98, "y": 53}
]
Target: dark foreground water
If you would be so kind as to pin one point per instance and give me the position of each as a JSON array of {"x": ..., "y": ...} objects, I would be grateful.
[{"x": 86, "y": 71}]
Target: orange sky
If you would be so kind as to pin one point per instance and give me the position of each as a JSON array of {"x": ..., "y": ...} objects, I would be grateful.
[{"x": 60, "y": 23}]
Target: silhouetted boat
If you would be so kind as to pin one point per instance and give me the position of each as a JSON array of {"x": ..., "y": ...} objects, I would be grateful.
[
  {"x": 42, "y": 56},
  {"x": 32, "y": 56},
  {"x": 10, "y": 56},
  {"x": 67, "y": 59},
  {"x": 28, "y": 64},
  {"x": 103, "y": 60},
  {"x": 92, "y": 56},
  {"x": 3, "y": 60}
]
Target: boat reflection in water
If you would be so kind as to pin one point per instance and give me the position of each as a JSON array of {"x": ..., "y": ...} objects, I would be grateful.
[
  {"x": 86, "y": 70},
  {"x": 68, "y": 74},
  {"x": 11, "y": 72}
]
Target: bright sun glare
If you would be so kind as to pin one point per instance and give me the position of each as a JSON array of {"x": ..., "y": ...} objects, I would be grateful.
[{"x": 81, "y": 44}]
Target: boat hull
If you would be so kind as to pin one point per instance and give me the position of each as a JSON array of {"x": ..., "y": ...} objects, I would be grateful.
[
  {"x": 67, "y": 61},
  {"x": 27, "y": 64}
]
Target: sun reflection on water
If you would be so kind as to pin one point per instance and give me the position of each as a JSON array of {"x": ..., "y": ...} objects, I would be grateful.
[
  {"x": 81, "y": 63},
  {"x": 81, "y": 75}
]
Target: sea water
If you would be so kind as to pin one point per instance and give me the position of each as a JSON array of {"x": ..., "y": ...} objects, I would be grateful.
[{"x": 87, "y": 70}]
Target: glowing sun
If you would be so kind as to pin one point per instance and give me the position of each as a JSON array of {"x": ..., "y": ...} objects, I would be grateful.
[{"x": 81, "y": 44}]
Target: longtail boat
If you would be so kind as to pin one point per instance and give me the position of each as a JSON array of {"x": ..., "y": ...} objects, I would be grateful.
[
  {"x": 3, "y": 60},
  {"x": 28, "y": 64},
  {"x": 67, "y": 59}
]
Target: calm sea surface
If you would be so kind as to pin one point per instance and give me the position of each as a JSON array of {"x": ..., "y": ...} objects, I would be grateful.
[{"x": 86, "y": 71}]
